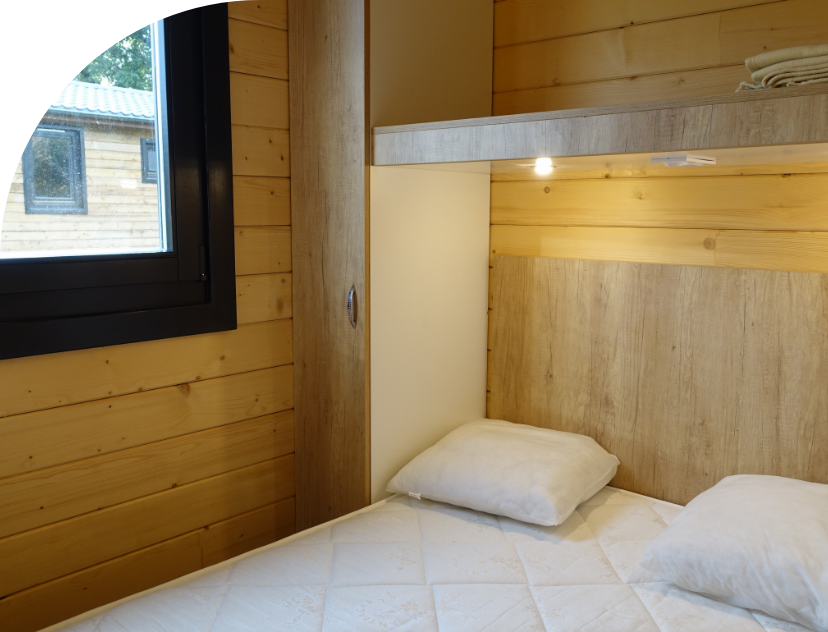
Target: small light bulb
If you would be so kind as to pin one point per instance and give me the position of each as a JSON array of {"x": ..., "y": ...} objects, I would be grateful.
[{"x": 543, "y": 166}]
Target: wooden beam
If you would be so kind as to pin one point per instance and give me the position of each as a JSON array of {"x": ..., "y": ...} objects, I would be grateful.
[{"x": 266, "y": 12}]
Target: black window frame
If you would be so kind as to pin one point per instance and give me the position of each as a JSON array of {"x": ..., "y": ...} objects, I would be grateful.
[
  {"x": 149, "y": 168},
  {"x": 59, "y": 304},
  {"x": 74, "y": 205}
]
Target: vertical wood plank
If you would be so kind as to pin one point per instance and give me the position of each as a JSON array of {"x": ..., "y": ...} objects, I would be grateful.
[{"x": 329, "y": 136}]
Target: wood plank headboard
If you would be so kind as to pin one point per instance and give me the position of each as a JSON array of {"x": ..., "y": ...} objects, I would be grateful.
[{"x": 687, "y": 374}]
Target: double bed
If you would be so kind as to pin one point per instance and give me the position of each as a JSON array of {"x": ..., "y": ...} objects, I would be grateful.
[{"x": 408, "y": 564}]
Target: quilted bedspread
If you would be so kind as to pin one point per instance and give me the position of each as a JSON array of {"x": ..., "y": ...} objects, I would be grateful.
[{"x": 413, "y": 565}]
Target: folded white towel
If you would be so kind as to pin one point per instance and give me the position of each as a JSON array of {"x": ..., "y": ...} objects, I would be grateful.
[
  {"x": 786, "y": 54},
  {"x": 802, "y": 66}
]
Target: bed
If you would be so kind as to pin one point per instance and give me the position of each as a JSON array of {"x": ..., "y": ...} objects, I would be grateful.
[{"x": 407, "y": 564}]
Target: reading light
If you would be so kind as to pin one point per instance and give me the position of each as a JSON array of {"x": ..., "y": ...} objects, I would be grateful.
[{"x": 543, "y": 166}]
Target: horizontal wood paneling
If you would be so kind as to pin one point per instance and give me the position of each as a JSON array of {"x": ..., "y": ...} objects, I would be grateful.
[
  {"x": 687, "y": 374},
  {"x": 46, "y": 438},
  {"x": 520, "y": 21},
  {"x": 263, "y": 297},
  {"x": 261, "y": 201},
  {"x": 33, "y": 609},
  {"x": 262, "y": 249},
  {"x": 48, "y": 496},
  {"x": 258, "y": 101},
  {"x": 260, "y": 151},
  {"x": 758, "y": 203},
  {"x": 258, "y": 50},
  {"x": 41, "y": 382},
  {"x": 772, "y": 250},
  {"x": 704, "y": 41},
  {"x": 69, "y": 596},
  {"x": 56, "y": 550},
  {"x": 628, "y": 90},
  {"x": 248, "y": 532},
  {"x": 269, "y": 13}
]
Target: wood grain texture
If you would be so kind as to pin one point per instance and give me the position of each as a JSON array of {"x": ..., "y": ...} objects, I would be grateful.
[
  {"x": 263, "y": 297},
  {"x": 258, "y": 50},
  {"x": 765, "y": 250},
  {"x": 260, "y": 151},
  {"x": 328, "y": 114},
  {"x": 263, "y": 249},
  {"x": 266, "y": 12},
  {"x": 247, "y": 532},
  {"x": 60, "y": 599},
  {"x": 56, "y": 550},
  {"x": 261, "y": 201},
  {"x": 47, "y": 496},
  {"x": 674, "y": 126},
  {"x": 36, "y": 608},
  {"x": 704, "y": 41},
  {"x": 258, "y": 101},
  {"x": 628, "y": 90},
  {"x": 46, "y": 438},
  {"x": 687, "y": 374},
  {"x": 521, "y": 21},
  {"x": 59, "y": 379},
  {"x": 791, "y": 203}
]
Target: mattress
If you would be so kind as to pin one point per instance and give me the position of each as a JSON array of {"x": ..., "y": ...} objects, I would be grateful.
[{"x": 416, "y": 565}]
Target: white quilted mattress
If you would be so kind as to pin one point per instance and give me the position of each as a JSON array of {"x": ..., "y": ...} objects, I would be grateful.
[{"x": 412, "y": 565}]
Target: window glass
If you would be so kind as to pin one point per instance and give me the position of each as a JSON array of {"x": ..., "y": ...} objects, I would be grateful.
[{"x": 92, "y": 179}]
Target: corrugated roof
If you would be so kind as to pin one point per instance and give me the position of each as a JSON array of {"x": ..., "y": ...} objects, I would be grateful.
[{"x": 109, "y": 101}]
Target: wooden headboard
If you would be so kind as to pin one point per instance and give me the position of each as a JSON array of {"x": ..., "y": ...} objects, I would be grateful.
[{"x": 687, "y": 374}]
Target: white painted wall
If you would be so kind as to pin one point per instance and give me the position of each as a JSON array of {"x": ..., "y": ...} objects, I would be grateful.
[{"x": 429, "y": 243}]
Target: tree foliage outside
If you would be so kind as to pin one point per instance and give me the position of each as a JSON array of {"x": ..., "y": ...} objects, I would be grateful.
[{"x": 127, "y": 64}]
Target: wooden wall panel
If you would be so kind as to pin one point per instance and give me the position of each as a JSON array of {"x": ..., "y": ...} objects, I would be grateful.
[
  {"x": 248, "y": 531},
  {"x": 48, "y": 496},
  {"x": 667, "y": 367},
  {"x": 768, "y": 250},
  {"x": 261, "y": 201},
  {"x": 520, "y": 21},
  {"x": 33, "y": 609},
  {"x": 65, "y": 547},
  {"x": 155, "y": 459},
  {"x": 329, "y": 176},
  {"x": 264, "y": 297},
  {"x": 42, "y": 382},
  {"x": 273, "y": 13},
  {"x": 259, "y": 151},
  {"x": 46, "y": 438},
  {"x": 258, "y": 50},
  {"x": 758, "y": 203},
  {"x": 557, "y": 55}
]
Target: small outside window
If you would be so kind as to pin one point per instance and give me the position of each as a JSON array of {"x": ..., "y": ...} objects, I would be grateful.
[
  {"x": 149, "y": 161},
  {"x": 54, "y": 172}
]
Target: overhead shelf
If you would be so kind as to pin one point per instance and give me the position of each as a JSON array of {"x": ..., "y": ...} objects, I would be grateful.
[{"x": 745, "y": 119}]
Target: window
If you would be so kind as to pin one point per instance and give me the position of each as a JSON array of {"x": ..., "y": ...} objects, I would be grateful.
[
  {"x": 119, "y": 224},
  {"x": 54, "y": 172},
  {"x": 149, "y": 161}
]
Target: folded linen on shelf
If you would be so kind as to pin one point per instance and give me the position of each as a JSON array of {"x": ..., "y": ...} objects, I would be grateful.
[{"x": 799, "y": 66}]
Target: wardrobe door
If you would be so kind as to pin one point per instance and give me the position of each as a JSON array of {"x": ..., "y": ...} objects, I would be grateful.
[{"x": 329, "y": 173}]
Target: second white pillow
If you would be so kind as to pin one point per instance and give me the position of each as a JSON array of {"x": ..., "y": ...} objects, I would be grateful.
[{"x": 522, "y": 472}]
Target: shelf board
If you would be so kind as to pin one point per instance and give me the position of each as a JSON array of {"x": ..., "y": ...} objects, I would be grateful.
[{"x": 744, "y": 119}]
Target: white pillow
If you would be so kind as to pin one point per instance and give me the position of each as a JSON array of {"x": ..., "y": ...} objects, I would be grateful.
[
  {"x": 758, "y": 542},
  {"x": 526, "y": 473}
]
